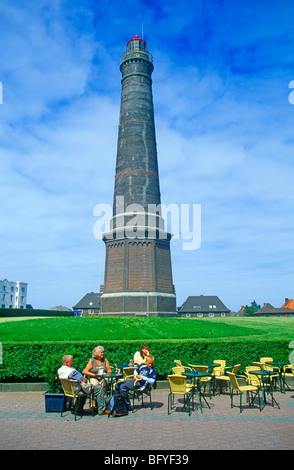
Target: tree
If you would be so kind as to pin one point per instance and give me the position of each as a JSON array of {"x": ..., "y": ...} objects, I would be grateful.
[{"x": 250, "y": 310}]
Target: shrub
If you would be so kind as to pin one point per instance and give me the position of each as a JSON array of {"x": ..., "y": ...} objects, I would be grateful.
[
  {"x": 32, "y": 362},
  {"x": 49, "y": 370}
]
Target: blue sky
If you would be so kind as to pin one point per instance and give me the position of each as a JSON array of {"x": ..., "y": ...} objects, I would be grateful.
[{"x": 224, "y": 128}]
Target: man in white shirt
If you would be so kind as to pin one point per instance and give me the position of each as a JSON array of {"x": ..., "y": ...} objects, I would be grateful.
[{"x": 81, "y": 385}]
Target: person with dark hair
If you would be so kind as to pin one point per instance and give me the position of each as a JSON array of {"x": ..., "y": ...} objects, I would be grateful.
[{"x": 140, "y": 357}]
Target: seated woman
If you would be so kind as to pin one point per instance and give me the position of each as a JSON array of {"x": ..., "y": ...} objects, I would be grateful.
[
  {"x": 97, "y": 365},
  {"x": 140, "y": 357},
  {"x": 81, "y": 385}
]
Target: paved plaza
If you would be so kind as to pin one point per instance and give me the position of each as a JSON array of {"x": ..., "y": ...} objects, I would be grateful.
[{"x": 24, "y": 425}]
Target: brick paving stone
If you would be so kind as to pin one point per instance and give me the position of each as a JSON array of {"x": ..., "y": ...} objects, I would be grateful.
[{"x": 25, "y": 425}]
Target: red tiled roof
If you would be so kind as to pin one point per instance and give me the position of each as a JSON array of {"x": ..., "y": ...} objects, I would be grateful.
[{"x": 290, "y": 304}]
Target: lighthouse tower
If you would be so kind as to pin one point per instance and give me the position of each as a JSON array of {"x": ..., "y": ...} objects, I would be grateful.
[{"x": 138, "y": 272}]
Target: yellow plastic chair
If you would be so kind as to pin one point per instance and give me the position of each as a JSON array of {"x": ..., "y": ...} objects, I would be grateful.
[
  {"x": 241, "y": 389},
  {"x": 288, "y": 371},
  {"x": 178, "y": 370},
  {"x": 68, "y": 390},
  {"x": 264, "y": 364},
  {"x": 198, "y": 367},
  {"x": 253, "y": 379},
  {"x": 178, "y": 363},
  {"x": 205, "y": 380},
  {"x": 139, "y": 394},
  {"x": 178, "y": 386},
  {"x": 263, "y": 360},
  {"x": 259, "y": 364},
  {"x": 128, "y": 372},
  {"x": 225, "y": 378},
  {"x": 219, "y": 370}
]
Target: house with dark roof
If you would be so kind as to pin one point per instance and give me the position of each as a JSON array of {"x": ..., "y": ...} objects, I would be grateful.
[
  {"x": 203, "y": 306},
  {"x": 269, "y": 311},
  {"x": 88, "y": 305}
]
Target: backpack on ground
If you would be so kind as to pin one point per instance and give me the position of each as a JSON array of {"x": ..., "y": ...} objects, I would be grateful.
[{"x": 117, "y": 406}]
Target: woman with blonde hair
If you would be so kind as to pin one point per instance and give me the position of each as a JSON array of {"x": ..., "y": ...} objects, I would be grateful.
[{"x": 97, "y": 365}]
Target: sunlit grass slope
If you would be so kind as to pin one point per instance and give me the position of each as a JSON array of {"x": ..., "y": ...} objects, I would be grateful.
[{"x": 100, "y": 329}]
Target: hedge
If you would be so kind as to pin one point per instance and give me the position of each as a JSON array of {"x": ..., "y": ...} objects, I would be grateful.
[
  {"x": 24, "y": 362},
  {"x": 28, "y": 312}
]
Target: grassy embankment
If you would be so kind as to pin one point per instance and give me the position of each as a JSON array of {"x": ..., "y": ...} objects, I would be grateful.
[{"x": 101, "y": 329}]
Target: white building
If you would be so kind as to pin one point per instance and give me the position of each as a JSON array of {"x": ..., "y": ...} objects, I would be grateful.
[{"x": 13, "y": 294}]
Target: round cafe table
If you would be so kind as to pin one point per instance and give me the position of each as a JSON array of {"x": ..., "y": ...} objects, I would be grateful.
[
  {"x": 111, "y": 378},
  {"x": 196, "y": 385}
]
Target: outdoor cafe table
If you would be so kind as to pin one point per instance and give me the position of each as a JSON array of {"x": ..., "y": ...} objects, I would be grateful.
[
  {"x": 266, "y": 385},
  {"x": 111, "y": 377},
  {"x": 280, "y": 365},
  {"x": 196, "y": 387}
]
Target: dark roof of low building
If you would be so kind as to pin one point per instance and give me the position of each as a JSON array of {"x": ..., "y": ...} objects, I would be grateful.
[
  {"x": 269, "y": 309},
  {"x": 60, "y": 308},
  {"x": 90, "y": 300},
  {"x": 203, "y": 304}
]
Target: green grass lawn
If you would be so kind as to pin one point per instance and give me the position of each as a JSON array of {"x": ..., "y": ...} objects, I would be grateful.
[{"x": 100, "y": 329}]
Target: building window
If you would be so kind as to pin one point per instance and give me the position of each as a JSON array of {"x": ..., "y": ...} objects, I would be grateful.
[
  {"x": 211, "y": 314},
  {"x": 223, "y": 314},
  {"x": 199, "y": 314}
]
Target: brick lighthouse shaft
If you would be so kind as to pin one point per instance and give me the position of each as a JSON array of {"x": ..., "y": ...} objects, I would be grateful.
[{"x": 138, "y": 273}]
